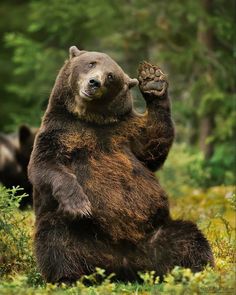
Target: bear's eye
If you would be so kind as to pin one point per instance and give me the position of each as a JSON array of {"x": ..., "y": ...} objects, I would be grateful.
[
  {"x": 110, "y": 77},
  {"x": 92, "y": 64}
]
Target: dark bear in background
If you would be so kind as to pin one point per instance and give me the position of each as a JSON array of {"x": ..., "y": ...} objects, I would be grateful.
[
  {"x": 15, "y": 150},
  {"x": 97, "y": 200}
]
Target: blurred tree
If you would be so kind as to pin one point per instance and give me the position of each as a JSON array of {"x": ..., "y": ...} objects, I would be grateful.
[
  {"x": 205, "y": 39},
  {"x": 11, "y": 19}
]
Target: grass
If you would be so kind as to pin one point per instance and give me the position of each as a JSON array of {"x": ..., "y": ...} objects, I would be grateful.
[{"x": 212, "y": 209}]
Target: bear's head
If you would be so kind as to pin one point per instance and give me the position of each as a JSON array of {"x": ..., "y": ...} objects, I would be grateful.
[{"x": 98, "y": 87}]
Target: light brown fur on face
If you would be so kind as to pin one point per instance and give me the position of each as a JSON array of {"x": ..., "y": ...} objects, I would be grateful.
[
  {"x": 104, "y": 103},
  {"x": 97, "y": 200}
]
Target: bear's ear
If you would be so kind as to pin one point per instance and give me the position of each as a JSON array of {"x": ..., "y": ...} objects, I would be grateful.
[
  {"x": 24, "y": 133},
  {"x": 132, "y": 82},
  {"x": 74, "y": 51}
]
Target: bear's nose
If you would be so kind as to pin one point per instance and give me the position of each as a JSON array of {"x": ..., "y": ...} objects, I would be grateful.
[{"x": 93, "y": 82}]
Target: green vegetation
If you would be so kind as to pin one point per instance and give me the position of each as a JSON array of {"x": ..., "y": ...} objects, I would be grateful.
[{"x": 213, "y": 210}]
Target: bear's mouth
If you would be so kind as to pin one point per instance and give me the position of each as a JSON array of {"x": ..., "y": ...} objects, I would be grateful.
[
  {"x": 91, "y": 94},
  {"x": 87, "y": 95}
]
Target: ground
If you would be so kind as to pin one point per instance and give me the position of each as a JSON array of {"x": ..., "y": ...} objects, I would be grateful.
[{"x": 212, "y": 209}]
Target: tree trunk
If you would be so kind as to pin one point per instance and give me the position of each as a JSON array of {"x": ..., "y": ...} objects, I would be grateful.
[
  {"x": 206, "y": 127},
  {"x": 206, "y": 124}
]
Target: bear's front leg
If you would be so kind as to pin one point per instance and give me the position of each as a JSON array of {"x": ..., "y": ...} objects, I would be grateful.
[
  {"x": 156, "y": 130},
  {"x": 72, "y": 199},
  {"x": 64, "y": 186}
]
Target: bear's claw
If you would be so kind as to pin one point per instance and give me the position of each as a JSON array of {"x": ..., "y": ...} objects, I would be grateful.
[
  {"x": 74, "y": 202},
  {"x": 152, "y": 80},
  {"x": 82, "y": 209}
]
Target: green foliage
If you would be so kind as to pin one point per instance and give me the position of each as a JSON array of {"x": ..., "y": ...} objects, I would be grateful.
[
  {"x": 179, "y": 281},
  {"x": 185, "y": 167},
  {"x": 32, "y": 60},
  {"x": 182, "y": 281},
  {"x": 221, "y": 166},
  {"x": 15, "y": 242}
]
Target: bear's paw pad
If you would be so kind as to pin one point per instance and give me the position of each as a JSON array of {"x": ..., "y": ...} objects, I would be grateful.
[{"x": 152, "y": 80}]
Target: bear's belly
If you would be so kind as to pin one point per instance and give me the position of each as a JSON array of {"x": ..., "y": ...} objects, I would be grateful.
[{"x": 124, "y": 194}]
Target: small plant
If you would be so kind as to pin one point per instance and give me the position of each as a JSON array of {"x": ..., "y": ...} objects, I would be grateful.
[
  {"x": 15, "y": 242},
  {"x": 149, "y": 278}
]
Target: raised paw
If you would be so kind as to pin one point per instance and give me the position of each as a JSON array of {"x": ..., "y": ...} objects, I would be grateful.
[{"x": 152, "y": 80}]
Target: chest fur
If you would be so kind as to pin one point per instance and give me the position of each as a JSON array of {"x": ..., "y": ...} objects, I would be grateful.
[{"x": 118, "y": 185}]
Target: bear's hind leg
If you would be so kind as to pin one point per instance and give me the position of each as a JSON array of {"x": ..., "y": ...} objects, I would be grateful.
[
  {"x": 67, "y": 250},
  {"x": 179, "y": 243},
  {"x": 58, "y": 260}
]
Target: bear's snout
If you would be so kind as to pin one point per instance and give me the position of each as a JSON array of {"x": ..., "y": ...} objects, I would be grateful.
[
  {"x": 92, "y": 88},
  {"x": 94, "y": 83}
]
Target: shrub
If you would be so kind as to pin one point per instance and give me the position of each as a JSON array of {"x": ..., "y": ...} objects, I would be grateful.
[
  {"x": 185, "y": 168},
  {"x": 15, "y": 231}
]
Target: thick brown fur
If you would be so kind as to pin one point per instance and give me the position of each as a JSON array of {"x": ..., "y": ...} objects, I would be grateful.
[{"x": 97, "y": 200}]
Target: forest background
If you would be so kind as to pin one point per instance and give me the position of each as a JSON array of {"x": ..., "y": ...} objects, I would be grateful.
[{"x": 193, "y": 41}]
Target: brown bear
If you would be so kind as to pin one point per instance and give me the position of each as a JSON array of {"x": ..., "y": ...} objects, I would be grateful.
[
  {"x": 15, "y": 150},
  {"x": 10, "y": 169},
  {"x": 97, "y": 200}
]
